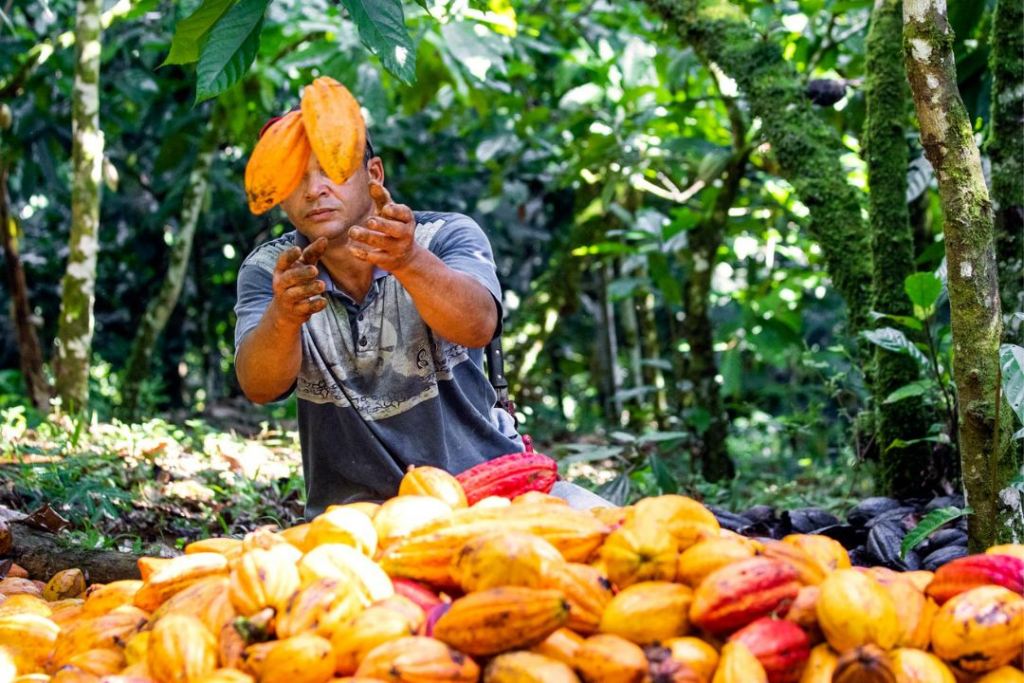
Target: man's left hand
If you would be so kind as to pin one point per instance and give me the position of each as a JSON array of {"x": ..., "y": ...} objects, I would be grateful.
[{"x": 388, "y": 238}]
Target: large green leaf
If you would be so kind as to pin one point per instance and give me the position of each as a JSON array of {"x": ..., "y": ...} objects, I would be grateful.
[
  {"x": 381, "y": 26},
  {"x": 891, "y": 339},
  {"x": 1011, "y": 359},
  {"x": 190, "y": 31},
  {"x": 932, "y": 521},
  {"x": 924, "y": 290},
  {"x": 229, "y": 49},
  {"x": 909, "y": 391}
]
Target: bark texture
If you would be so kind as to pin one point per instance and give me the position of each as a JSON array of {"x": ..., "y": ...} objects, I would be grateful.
[
  {"x": 1006, "y": 150},
  {"x": 807, "y": 149},
  {"x": 989, "y": 463},
  {"x": 906, "y": 471},
  {"x": 42, "y": 556},
  {"x": 75, "y": 328},
  {"x": 160, "y": 308},
  {"x": 30, "y": 354}
]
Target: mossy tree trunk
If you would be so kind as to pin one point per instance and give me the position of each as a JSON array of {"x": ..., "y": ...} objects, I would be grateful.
[
  {"x": 1007, "y": 154},
  {"x": 909, "y": 470},
  {"x": 807, "y": 149},
  {"x": 989, "y": 463},
  {"x": 75, "y": 328},
  {"x": 160, "y": 308}
]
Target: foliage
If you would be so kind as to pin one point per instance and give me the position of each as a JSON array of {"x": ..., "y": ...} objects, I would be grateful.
[{"x": 933, "y": 521}]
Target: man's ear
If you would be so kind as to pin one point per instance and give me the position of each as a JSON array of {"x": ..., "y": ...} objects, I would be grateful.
[{"x": 375, "y": 170}]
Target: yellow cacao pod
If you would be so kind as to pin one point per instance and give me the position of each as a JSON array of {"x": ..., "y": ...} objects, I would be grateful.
[
  {"x": 277, "y": 163},
  {"x": 528, "y": 667},
  {"x": 697, "y": 654},
  {"x": 914, "y": 609},
  {"x": 67, "y": 583},
  {"x": 72, "y": 674},
  {"x": 820, "y": 665},
  {"x": 106, "y": 630},
  {"x": 101, "y": 598},
  {"x": 707, "y": 555},
  {"x": 434, "y": 482},
  {"x": 561, "y": 645},
  {"x": 919, "y": 578},
  {"x": 26, "y": 603},
  {"x": 500, "y": 619},
  {"x": 607, "y": 658},
  {"x": 29, "y": 640},
  {"x": 1004, "y": 674},
  {"x": 865, "y": 664},
  {"x": 981, "y": 629},
  {"x": 648, "y": 612},
  {"x": 305, "y": 658},
  {"x": 686, "y": 520},
  {"x": 297, "y": 536},
  {"x": 588, "y": 591},
  {"x": 634, "y": 553},
  {"x": 1011, "y": 549},
  {"x": 505, "y": 558},
  {"x": 808, "y": 570},
  {"x": 226, "y": 675},
  {"x": 104, "y": 661},
  {"x": 319, "y": 607},
  {"x": 855, "y": 610},
  {"x": 353, "y": 639},
  {"x": 335, "y": 127},
  {"x": 149, "y": 565},
  {"x": 8, "y": 668},
  {"x": 207, "y": 599},
  {"x": 345, "y": 563},
  {"x": 418, "y": 659},
  {"x": 136, "y": 648},
  {"x": 177, "y": 574},
  {"x": 230, "y": 548},
  {"x": 262, "y": 578},
  {"x": 918, "y": 666},
  {"x": 828, "y": 553},
  {"x": 738, "y": 664},
  {"x": 346, "y": 527},
  {"x": 400, "y": 516},
  {"x": 181, "y": 649}
]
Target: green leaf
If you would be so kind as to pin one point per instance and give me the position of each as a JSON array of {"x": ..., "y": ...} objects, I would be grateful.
[
  {"x": 229, "y": 49},
  {"x": 928, "y": 524},
  {"x": 892, "y": 339},
  {"x": 1011, "y": 359},
  {"x": 924, "y": 290},
  {"x": 190, "y": 31},
  {"x": 381, "y": 25},
  {"x": 667, "y": 481},
  {"x": 905, "y": 320},
  {"x": 909, "y": 391},
  {"x": 617, "y": 490}
]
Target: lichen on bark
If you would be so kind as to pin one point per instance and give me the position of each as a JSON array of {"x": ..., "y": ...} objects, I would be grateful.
[
  {"x": 989, "y": 461},
  {"x": 75, "y": 327},
  {"x": 908, "y": 470}
]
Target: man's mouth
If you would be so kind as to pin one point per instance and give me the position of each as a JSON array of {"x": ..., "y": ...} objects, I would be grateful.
[{"x": 320, "y": 212}]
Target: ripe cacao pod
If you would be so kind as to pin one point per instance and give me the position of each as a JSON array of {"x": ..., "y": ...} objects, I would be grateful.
[
  {"x": 1004, "y": 674},
  {"x": 738, "y": 664},
  {"x": 804, "y": 613},
  {"x": 101, "y": 598},
  {"x": 509, "y": 476},
  {"x": 587, "y": 590},
  {"x": 780, "y": 646},
  {"x": 181, "y": 649},
  {"x": 820, "y": 665},
  {"x": 320, "y": 607},
  {"x": 345, "y": 563},
  {"x": 686, "y": 520},
  {"x": 67, "y": 583},
  {"x": 225, "y": 675},
  {"x": 981, "y": 629},
  {"x": 105, "y": 630},
  {"x": 500, "y": 619},
  {"x": 277, "y": 163},
  {"x": 562, "y": 645},
  {"x": 416, "y": 658},
  {"x": 417, "y": 592},
  {"x": 305, "y": 658},
  {"x": 345, "y": 526},
  {"x": 262, "y": 578},
  {"x": 648, "y": 612},
  {"x": 865, "y": 664},
  {"x": 697, "y": 654},
  {"x": 829, "y": 553},
  {"x": 709, "y": 554},
  {"x": 26, "y": 603},
  {"x": 537, "y": 497},
  {"x": 434, "y": 482},
  {"x": 335, "y": 127},
  {"x": 505, "y": 558},
  {"x": 29, "y": 640},
  {"x": 1012, "y": 549},
  {"x": 919, "y": 578},
  {"x": 208, "y": 599},
  {"x": 528, "y": 667},
  {"x": 635, "y": 552},
  {"x": 607, "y": 658},
  {"x": 104, "y": 661},
  {"x": 228, "y": 547},
  {"x": 354, "y": 638},
  {"x": 149, "y": 565},
  {"x": 297, "y": 536},
  {"x": 914, "y": 610},
  {"x": 737, "y": 594},
  {"x": 965, "y": 573},
  {"x": 400, "y": 516},
  {"x": 17, "y": 586},
  {"x": 854, "y": 610},
  {"x": 808, "y": 571},
  {"x": 175, "y": 575},
  {"x": 918, "y": 666}
]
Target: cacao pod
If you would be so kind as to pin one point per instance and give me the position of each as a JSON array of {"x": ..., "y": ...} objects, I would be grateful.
[
  {"x": 101, "y": 598},
  {"x": 413, "y": 613},
  {"x": 739, "y": 593},
  {"x": 919, "y": 578},
  {"x": 607, "y": 658},
  {"x": 587, "y": 590},
  {"x": 175, "y": 575},
  {"x": 914, "y": 610},
  {"x": 663, "y": 667},
  {"x": 780, "y": 646},
  {"x": 527, "y": 667},
  {"x": 1011, "y": 549},
  {"x": 228, "y": 547},
  {"x": 821, "y": 664},
  {"x": 1004, "y": 674},
  {"x": 918, "y": 666},
  {"x": 345, "y": 526},
  {"x": 149, "y": 565},
  {"x": 738, "y": 664},
  {"x": 262, "y": 578},
  {"x": 17, "y": 586},
  {"x": 827, "y": 552},
  {"x": 686, "y": 520},
  {"x": 537, "y": 497},
  {"x": 181, "y": 649},
  {"x": 345, "y": 563},
  {"x": 648, "y": 612},
  {"x": 353, "y": 639},
  {"x": 804, "y": 612},
  {"x": 26, "y": 603},
  {"x": 417, "y": 592},
  {"x": 297, "y": 536},
  {"x": 277, "y": 163},
  {"x": 434, "y": 482},
  {"x": 709, "y": 554},
  {"x": 99, "y": 661},
  {"x": 207, "y": 599},
  {"x": 981, "y": 629},
  {"x": 68, "y": 583},
  {"x": 322, "y": 607},
  {"x": 562, "y": 645},
  {"x": 400, "y": 516},
  {"x": 865, "y": 664},
  {"x": 976, "y": 570},
  {"x": 507, "y": 558},
  {"x": 29, "y": 640},
  {"x": 105, "y": 630},
  {"x": 305, "y": 658},
  {"x": 500, "y": 619},
  {"x": 226, "y": 675},
  {"x": 509, "y": 476},
  {"x": 491, "y": 502},
  {"x": 335, "y": 127},
  {"x": 854, "y": 610},
  {"x": 696, "y": 654},
  {"x": 418, "y": 659},
  {"x": 634, "y": 553},
  {"x": 808, "y": 571}
]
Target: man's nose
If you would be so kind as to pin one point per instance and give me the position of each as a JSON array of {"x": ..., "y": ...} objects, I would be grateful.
[{"x": 316, "y": 183}]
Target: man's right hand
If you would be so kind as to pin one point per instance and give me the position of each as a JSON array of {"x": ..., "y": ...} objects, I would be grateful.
[{"x": 297, "y": 289}]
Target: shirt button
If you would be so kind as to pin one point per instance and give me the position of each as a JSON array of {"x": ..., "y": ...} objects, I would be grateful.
[
  {"x": 360, "y": 317},
  {"x": 362, "y": 341}
]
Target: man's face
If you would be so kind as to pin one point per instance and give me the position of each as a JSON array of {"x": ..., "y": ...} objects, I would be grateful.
[{"x": 319, "y": 207}]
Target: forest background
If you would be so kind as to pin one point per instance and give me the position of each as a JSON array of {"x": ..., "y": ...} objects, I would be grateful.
[{"x": 723, "y": 246}]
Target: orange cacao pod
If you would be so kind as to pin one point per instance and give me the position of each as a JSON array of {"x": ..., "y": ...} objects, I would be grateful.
[
  {"x": 29, "y": 639},
  {"x": 827, "y": 552},
  {"x": 562, "y": 645},
  {"x": 16, "y": 586},
  {"x": 854, "y": 610},
  {"x": 780, "y": 646},
  {"x": 345, "y": 526},
  {"x": 634, "y": 553},
  {"x": 149, "y": 565},
  {"x": 738, "y": 664},
  {"x": 106, "y": 630},
  {"x": 500, "y": 619},
  {"x": 607, "y": 658},
  {"x": 709, "y": 554},
  {"x": 686, "y": 520},
  {"x": 335, "y": 127},
  {"x": 696, "y": 654},
  {"x": 176, "y": 574},
  {"x": 181, "y": 649},
  {"x": 964, "y": 573},
  {"x": 305, "y": 658},
  {"x": 918, "y": 666},
  {"x": 228, "y": 547},
  {"x": 505, "y": 558},
  {"x": 320, "y": 607},
  {"x": 400, "y": 516},
  {"x": 820, "y": 665},
  {"x": 739, "y": 593},
  {"x": 262, "y": 578},
  {"x": 914, "y": 609},
  {"x": 509, "y": 476},
  {"x": 104, "y": 661},
  {"x": 865, "y": 664},
  {"x": 416, "y": 658},
  {"x": 528, "y": 667},
  {"x": 297, "y": 536},
  {"x": 980, "y": 629},
  {"x": 26, "y": 603},
  {"x": 434, "y": 482},
  {"x": 277, "y": 163},
  {"x": 1004, "y": 674},
  {"x": 68, "y": 583},
  {"x": 587, "y": 590},
  {"x": 353, "y": 639},
  {"x": 807, "y": 568},
  {"x": 804, "y": 612},
  {"x": 101, "y": 598},
  {"x": 226, "y": 675},
  {"x": 648, "y": 612},
  {"x": 208, "y": 599}
]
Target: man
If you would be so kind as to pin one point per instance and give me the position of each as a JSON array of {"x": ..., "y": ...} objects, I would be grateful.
[{"x": 376, "y": 316}]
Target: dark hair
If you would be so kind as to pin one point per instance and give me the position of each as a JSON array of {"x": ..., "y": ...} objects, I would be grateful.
[{"x": 368, "y": 153}]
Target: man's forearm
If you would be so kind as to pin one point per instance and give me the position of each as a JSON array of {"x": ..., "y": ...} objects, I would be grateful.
[
  {"x": 453, "y": 304},
  {"x": 269, "y": 358}
]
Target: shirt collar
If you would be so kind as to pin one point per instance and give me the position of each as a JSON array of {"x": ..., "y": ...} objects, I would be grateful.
[{"x": 301, "y": 241}]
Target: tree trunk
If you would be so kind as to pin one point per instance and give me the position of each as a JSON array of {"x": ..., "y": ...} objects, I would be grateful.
[
  {"x": 74, "y": 336},
  {"x": 651, "y": 344},
  {"x": 807, "y": 149},
  {"x": 1007, "y": 154},
  {"x": 612, "y": 346},
  {"x": 906, "y": 471},
  {"x": 42, "y": 555},
  {"x": 989, "y": 464},
  {"x": 160, "y": 308},
  {"x": 30, "y": 354}
]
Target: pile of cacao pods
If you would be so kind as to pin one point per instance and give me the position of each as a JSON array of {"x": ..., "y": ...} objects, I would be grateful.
[{"x": 486, "y": 577}]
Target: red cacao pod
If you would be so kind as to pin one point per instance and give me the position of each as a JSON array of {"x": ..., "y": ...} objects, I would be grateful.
[
  {"x": 965, "y": 573},
  {"x": 782, "y": 647},
  {"x": 509, "y": 476}
]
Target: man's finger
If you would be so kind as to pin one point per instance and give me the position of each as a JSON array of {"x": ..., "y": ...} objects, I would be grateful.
[
  {"x": 312, "y": 253},
  {"x": 297, "y": 275},
  {"x": 287, "y": 258},
  {"x": 304, "y": 291},
  {"x": 397, "y": 212},
  {"x": 380, "y": 195},
  {"x": 391, "y": 228},
  {"x": 373, "y": 238},
  {"x": 310, "y": 306}
]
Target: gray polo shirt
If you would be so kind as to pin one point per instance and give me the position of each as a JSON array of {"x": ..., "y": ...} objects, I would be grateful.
[{"x": 378, "y": 390}]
